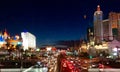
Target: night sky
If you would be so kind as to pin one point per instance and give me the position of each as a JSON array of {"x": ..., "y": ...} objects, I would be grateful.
[{"x": 52, "y": 20}]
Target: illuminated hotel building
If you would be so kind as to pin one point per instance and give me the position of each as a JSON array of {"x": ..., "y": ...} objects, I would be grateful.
[
  {"x": 29, "y": 40},
  {"x": 98, "y": 25},
  {"x": 107, "y": 30},
  {"x": 114, "y": 19},
  {"x": 2, "y": 40}
]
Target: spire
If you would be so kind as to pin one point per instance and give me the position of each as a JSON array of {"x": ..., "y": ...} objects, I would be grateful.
[
  {"x": 5, "y": 34},
  {"x": 0, "y": 33},
  {"x": 98, "y": 8}
]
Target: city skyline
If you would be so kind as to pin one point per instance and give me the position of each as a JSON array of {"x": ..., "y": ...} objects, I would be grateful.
[{"x": 51, "y": 21}]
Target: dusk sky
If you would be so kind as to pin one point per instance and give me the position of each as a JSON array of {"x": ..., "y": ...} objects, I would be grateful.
[{"x": 52, "y": 20}]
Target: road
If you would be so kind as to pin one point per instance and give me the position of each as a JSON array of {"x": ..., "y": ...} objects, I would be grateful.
[{"x": 44, "y": 69}]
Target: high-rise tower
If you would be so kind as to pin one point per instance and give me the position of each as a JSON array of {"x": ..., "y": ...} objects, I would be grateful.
[
  {"x": 114, "y": 19},
  {"x": 98, "y": 28},
  {"x": 29, "y": 40}
]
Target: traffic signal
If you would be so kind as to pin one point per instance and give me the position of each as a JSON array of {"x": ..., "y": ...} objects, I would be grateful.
[{"x": 90, "y": 57}]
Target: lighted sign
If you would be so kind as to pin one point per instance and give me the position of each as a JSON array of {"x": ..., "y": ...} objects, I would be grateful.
[{"x": 101, "y": 47}]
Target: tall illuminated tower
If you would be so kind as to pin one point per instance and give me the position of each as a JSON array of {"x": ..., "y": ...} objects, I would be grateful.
[{"x": 98, "y": 26}]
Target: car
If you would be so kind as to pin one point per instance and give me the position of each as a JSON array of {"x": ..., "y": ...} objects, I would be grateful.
[
  {"x": 94, "y": 65},
  {"x": 117, "y": 60}
]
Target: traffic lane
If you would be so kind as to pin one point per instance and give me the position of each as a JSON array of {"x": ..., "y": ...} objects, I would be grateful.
[{"x": 68, "y": 66}]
